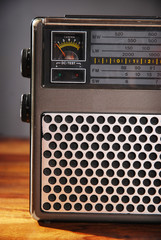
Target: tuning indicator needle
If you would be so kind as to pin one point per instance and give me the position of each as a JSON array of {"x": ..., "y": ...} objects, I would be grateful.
[{"x": 60, "y": 49}]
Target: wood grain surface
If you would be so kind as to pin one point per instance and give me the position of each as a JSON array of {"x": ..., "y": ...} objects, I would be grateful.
[{"x": 16, "y": 222}]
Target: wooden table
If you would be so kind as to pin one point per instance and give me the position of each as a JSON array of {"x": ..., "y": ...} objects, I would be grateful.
[{"x": 16, "y": 222}]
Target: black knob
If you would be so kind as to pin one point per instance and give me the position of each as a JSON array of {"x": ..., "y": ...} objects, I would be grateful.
[
  {"x": 26, "y": 63},
  {"x": 25, "y": 108}
]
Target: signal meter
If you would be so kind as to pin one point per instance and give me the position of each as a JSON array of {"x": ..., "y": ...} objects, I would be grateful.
[{"x": 95, "y": 115}]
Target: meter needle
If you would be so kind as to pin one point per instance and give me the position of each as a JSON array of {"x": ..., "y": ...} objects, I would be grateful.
[{"x": 60, "y": 49}]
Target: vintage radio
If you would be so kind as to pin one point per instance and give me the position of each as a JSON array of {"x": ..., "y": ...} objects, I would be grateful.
[{"x": 95, "y": 115}]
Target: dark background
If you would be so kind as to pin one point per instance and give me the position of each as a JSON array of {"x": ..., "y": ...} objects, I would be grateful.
[{"x": 15, "y": 20}]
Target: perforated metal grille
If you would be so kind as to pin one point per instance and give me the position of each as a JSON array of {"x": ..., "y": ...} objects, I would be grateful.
[{"x": 101, "y": 163}]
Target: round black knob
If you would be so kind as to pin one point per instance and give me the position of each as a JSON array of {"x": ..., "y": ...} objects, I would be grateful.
[
  {"x": 26, "y": 63},
  {"x": 25, "y": 111}
]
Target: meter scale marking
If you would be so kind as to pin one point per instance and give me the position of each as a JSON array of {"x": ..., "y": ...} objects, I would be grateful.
[
  {"x": 68, "y": 46},
  {"x": 127, "y": 61},
  {"x": 128, "y": 51},
  {"x": 71, "y": 44},
  {"x": 129, "y": 36},
  {"x": 125, "y": 71},
  {"x": 126, "y": 37},
  {"x": 137, "y": 51},
  {"x": 68, "y": 50}
]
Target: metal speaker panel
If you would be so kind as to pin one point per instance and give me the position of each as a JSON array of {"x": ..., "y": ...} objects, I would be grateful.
[{"x": 101, "y": 163}]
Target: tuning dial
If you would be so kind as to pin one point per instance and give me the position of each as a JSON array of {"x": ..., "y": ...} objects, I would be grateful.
[
  {"x": 26, "y": 63},
  {"x": 25, "y": 111}
]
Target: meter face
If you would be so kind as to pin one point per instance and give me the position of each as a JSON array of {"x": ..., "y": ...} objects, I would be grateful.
[{"x": 68, "y": 46}]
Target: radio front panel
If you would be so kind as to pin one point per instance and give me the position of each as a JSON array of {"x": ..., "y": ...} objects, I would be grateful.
[
  {"x": 111, "y": 57},
  {"x": 95, "y": 118}
]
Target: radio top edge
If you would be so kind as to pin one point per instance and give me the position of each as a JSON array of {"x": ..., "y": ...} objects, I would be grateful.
[
  {"x": 97, "y": 19},
  {"x": 112, "y": 17}
]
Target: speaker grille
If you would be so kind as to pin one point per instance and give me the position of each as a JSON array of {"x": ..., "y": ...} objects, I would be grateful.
[{"x": 101, "y": 163}]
